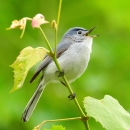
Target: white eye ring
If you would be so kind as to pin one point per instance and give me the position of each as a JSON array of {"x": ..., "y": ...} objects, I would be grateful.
[{"x": 79, "y": 32}]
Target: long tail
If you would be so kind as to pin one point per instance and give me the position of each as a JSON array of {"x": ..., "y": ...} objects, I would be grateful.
[{"x": 33, "y": 102}]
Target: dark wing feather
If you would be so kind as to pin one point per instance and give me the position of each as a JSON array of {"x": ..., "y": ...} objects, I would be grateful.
[
  {"x": 43, "y": 64},
  {"x": 62, "y": 47}
]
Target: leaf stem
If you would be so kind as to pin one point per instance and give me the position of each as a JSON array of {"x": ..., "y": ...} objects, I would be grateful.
[
  {"x": 56, "y": 120},
  {"x": 86, "y": 124},
  {"x": 53, "y": 55},
  {"x": 23, "y": 30},
  {"x": 59, "y": 11},
  {"x": 55, "y": 40},
  {"x": 47, "y": 42},
  {"x": 83, "y": 116},
  {"x": 57, "y": 24}
]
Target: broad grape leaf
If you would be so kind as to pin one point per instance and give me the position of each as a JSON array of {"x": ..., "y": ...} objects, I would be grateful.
[
  {"x": 28, "y": 57},
  {"x": 108, "y": 112}
]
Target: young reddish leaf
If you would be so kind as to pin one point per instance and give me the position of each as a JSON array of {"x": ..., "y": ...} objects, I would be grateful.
[
  {"x": 28, "y": 57},
  {"x": 38, "y": 20},
  {"x": 19, "y": 24}
]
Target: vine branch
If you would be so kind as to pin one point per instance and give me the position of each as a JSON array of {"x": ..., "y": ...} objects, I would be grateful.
[
  {"x": 53, "y": 55},
  {"x": 56, "y": 120}
]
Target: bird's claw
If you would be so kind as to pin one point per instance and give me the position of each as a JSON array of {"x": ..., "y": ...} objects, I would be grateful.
[
  {"x": 72, "y": 96},
  {"x": 61, "y": 73}
]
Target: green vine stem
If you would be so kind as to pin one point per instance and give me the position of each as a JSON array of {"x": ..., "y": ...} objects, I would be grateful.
[
  {"x": 56, "y": 120},
  {"x": 55, "y": 40},
  {"x": 83, "y": 117},
  {"x": 57, "y": 24},
  {"x": 60, "y": 70},
  {"x": 47, "y": 42},
  {"x": 59, "y": 11}
]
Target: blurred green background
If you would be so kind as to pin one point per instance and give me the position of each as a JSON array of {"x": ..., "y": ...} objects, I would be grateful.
[{"x": 108, "y": 71}]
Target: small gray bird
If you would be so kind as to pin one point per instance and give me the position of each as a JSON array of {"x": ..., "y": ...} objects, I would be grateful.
[{"x": 73, "y": 54}]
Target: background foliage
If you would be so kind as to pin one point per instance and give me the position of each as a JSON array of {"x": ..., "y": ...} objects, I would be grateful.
[{"x": 108, "y": 71}]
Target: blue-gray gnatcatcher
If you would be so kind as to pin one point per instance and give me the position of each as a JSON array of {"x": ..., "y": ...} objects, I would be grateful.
[{"x": 73, "y": 54}]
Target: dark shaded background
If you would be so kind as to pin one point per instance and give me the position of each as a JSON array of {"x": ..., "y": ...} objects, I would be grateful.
[{"x": 108, "y": 71}]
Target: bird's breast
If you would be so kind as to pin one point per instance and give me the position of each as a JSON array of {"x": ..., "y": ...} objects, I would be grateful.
[{"x": 74, "y": 61}]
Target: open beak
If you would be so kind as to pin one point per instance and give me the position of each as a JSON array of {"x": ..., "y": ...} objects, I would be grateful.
[{"x": 90, "y": 30}]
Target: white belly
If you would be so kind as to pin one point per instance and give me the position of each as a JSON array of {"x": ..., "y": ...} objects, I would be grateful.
[{"x": 73, "y": 61}]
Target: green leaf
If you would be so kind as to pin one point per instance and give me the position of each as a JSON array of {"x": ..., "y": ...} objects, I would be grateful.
[
  {"x": 58, "y": 127},
  {"x": 28, "y": 57},
  {"x": 108, "y": 112}
]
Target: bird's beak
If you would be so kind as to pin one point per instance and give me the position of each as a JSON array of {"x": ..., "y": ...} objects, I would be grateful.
[{"x": 90, "y": 30}]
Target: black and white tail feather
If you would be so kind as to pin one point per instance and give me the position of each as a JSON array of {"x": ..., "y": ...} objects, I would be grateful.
[{"x": 33, "y": 102}]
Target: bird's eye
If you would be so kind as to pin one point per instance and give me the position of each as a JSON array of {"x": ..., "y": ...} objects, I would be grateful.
[{"x": 79, "y": 32}]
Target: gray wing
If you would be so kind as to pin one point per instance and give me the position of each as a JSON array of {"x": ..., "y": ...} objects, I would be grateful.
[
  {"x": 43, "y": 64},
  {"x": 61, "y": 48}
]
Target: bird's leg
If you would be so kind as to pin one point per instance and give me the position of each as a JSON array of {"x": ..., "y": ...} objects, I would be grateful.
[
  {"x": 71, "y": 96},
  {"x": 63, "y": 83}
]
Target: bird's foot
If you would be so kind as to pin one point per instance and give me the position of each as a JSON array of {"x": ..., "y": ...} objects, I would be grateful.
[
  {"x": 72, "y": 96},
  {"x": 61, "y": 73}
]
